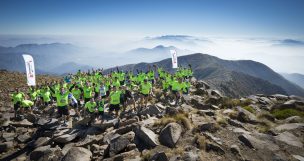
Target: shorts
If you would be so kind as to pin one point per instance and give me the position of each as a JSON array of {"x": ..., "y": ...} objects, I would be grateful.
[
  {"x": 96, "y": 95},
  {"x": 108, "y": 92},
  {"x": 86, "y": 100},
  {"x": 63, "y": 110},
  {"x": 74, "y": 105},
  {"x": 105, "y": 96},
  {"x": 174, "y": 92},
  {"x": 122, "y": 82},
  {"x": 16, "y": 106},
  {"x": 100, "y": 113},
  {"x": 46, "y": 103},
  {"x": 145, "y": 95},
  {"x": 114, "y": 107}
]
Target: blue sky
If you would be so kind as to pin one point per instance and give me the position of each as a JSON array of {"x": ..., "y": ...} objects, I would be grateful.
[{"x": 262, "y": 18}]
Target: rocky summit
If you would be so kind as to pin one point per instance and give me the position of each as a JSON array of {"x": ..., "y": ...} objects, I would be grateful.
[{"x": 205, "y": 126}]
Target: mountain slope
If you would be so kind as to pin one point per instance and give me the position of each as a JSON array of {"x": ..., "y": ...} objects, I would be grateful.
[
  {"x": 295, "y": 78},
  {"x": 245, "y": 77}
]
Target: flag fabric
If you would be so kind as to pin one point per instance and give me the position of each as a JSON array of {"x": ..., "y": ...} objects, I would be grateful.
[
  {"x": 174, "y": 58},
  {"x": 30, "y": 70}
]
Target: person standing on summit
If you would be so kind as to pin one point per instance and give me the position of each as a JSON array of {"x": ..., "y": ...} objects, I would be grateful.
[{"x": 62, "y": 99}]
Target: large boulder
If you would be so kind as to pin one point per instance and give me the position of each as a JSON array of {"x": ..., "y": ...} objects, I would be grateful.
[
  {"x": 150, "y": 110},
  {"x": 23, "y": 123},
  {"x": 78, "y": 154},
  {"x": 170, "y": 134},
  {"x": 118, "y": 144},
  {"x": 66, "y": 138},
  {"x": 246, "y": 116},
  {"x": 260, "y": 142},
  {"x": 291, "y": 126},
  {"x": 23, "y": 138},
  {"x": 6, "y": 146},
  {"x": 45, "y": 153},
  {"x": 290, "y": 139},
  {"x": 147, "y": 136}
]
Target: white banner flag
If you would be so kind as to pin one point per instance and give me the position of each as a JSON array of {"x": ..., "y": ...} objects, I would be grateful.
[
  {"x": 174, "y": 58},
  {"x": 30, "y": 70}
]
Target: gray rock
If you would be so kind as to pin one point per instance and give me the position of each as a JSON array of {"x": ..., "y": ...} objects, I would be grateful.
[
  {"x": 23, "y": 138},
  {"x": 213, "y": 138},
  {"x": 6, "y": 146},
  {"x": 66, "y": 138},
  {"x": 150, "y": 110},
  {"x": 120, "y": 143},
  {"x": 160, "y": 156},
  {"x": 265, "y": 143},
  {"x": 293, "y": 119},
  {"x": 45, "y": 153},
  {"x": 8, "y": 136},
  {"x": 170, "y": 134},
  {"x": 214, "y": 147},
  {"x": 289, "y": 139},
  {"x": 117, "y": 145},
  {"x": 207, "y": 126},
  {"x": 202, "y": 84},
  {"x": 246, "y": 116},
  {"x": 206, "y": 112},
  {"x": 40, "y": 142},
  {"x": 78, "y": 154},
  {"x": 31, "y": 117},
  {"x": 235, "y": 149},
  {"x": 190, "y": 156},
  {"x": 235, "y": 123},
  {"x": 298, "y": 157},
  {"x": 280, "y": 97},
  {"x": 171, "y": 111},
  {"x": 291, "y": 126},
  {"x": 133, "y": 155},
  {"x": 89, "y": 140},
  {"x": 23, "y": 123},
  {"x": 48, "y": 123},
  {"x": 147, "y": 136}
]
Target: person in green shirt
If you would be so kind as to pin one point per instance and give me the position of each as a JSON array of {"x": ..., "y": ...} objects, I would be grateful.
[
  {"x": 100, "y": 106},
  {"x": 145, "y": 91},
  {"x": 91, "y": 110},
  {"x": 62, "y": 100},
  {"x": 88, "y": 92},
  {"x": 17, "y": 98},
  {"x": 46, "y": 96},
  {"x": 114, "y": 100},
  {"x": 177, "y": 86},
  {"x": 26, "y": 106}
]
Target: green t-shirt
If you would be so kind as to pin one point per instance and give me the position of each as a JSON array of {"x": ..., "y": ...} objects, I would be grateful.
[
  {"x": 46, "y": 95},
  {"x": 18, "y": 97},
  {"x": 62, "y": 99},
  {"x": 87, "y": 92},
  {"x": 100, "y": 105},
  {"x": 27, "y": 103},
  {"x": 76, "y": 93},
  {"x": 115, "y": 97},
  {"x": 146, "y": 88},
  {"x": 90, "y": 106},
  {"x": 176, "y": 86}
]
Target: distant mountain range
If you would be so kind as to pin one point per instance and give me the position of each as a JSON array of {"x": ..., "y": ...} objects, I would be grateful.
[
  {"x": 233, "y": 78},
  {"x": 295, "y": 78}
]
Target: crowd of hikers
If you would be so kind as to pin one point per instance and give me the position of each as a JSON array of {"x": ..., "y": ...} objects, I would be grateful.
[{"x": 93, "y": 93}]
